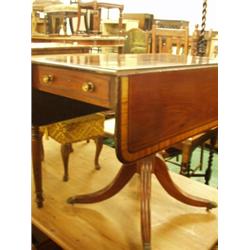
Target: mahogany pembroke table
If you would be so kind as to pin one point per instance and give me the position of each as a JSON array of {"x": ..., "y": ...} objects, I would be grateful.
[{"x": 158, "y": 100}]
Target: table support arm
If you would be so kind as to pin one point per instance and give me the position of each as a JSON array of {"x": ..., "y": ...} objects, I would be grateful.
[
  {"x": 144, "y": 167},
  {"x": 124, "y": 175},
  {"x": 163, "y": 176}
]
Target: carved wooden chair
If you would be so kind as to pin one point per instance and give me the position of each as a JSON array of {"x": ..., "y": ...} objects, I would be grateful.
[
  {"x": 172, "y": 41},
  {"x": 136, "y": 41},
  {"x": 175, "y": 41},
  {"x": 75, "y": 130},
  {"x": 57, "y": 15},
  {"x": 186, "y": 149},
  {"x": 95, "y": 20}
]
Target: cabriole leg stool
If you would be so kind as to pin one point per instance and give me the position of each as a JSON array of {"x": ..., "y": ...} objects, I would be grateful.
[{"x": 66, "y": 132}]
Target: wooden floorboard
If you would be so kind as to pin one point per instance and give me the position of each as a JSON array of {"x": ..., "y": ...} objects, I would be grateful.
[{"x": 115, "y": 223}]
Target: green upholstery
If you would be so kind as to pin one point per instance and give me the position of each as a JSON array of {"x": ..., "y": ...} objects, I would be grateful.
[{"x": 136, "y": 41}]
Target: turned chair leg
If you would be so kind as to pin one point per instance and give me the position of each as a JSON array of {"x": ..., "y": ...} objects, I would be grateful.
[
  {"x": 99, "y": 145},
  {"x": 208, "y": 172},
  {"x": 186, "y": 159},
  {"x": 42, "y": 148},
  {"x": 36, "y": 163},
  {"x": 202, "y": 156},
  {"x": 71, "y": 25},
  {"x": 66, "y": 149},
  {"x": 209, "y": 167}
]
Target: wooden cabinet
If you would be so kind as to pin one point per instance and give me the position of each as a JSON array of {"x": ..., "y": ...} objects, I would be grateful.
[{"x": 145, "y": 20}]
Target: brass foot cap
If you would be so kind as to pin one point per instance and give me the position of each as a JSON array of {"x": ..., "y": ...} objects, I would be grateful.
[
  {"x": 65, "y": 178},
  {"x": 146, "y": 246},
  {"x": 71, "y": 200},
  {"x": 211, "y": 205},
  {"x": 97, "y": 167}
]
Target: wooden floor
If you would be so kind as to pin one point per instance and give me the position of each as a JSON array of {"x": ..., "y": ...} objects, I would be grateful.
[{"x": 114, "y": 224}]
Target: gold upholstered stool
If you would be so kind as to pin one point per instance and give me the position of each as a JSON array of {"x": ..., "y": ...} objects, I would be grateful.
[{"x": 75, "y": 130}]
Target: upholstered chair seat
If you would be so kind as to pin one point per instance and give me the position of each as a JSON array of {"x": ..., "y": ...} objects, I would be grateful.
[{"x": 75, "y": 130}]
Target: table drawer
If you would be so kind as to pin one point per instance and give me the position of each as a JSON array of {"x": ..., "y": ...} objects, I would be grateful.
[{"x": 76, "y": 84}]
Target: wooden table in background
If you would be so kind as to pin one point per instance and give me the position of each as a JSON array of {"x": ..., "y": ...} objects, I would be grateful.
[
  {"x": 116, "y": 42},
  {"x": 47, "y": 48},
  {"x": 158, "y": 100}
]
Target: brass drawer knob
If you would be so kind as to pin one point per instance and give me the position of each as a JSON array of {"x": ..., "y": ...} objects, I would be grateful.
[
  {"x": 88, "y": 87},
  {"x": 47, "y": 79}
]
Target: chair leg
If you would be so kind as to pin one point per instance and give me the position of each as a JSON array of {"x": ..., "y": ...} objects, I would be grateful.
[
  {"x": 66, "y": 149},
  {"x": 185, "y": 168},
  {"x": 42, "y": 148},
  {"x": 210, "y": 160},
  {"x": 209, "y": 167},
  {"x": 99, "y": 145},
  {"x": 71, "y": 25},
  {"x": 186, "y": 158},
  {"x": 86, "y": 23},
  {"x": 177, "y": 158},
  {"x": 201, "y": 156},
  {"x": 36, "y": 163}
]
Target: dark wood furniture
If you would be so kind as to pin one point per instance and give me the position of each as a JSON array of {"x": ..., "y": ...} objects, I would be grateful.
[
  {"x": 186, "y": 148},
  {"x": 136, "y": 87},
  {"x": 96, "y": 7}
]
